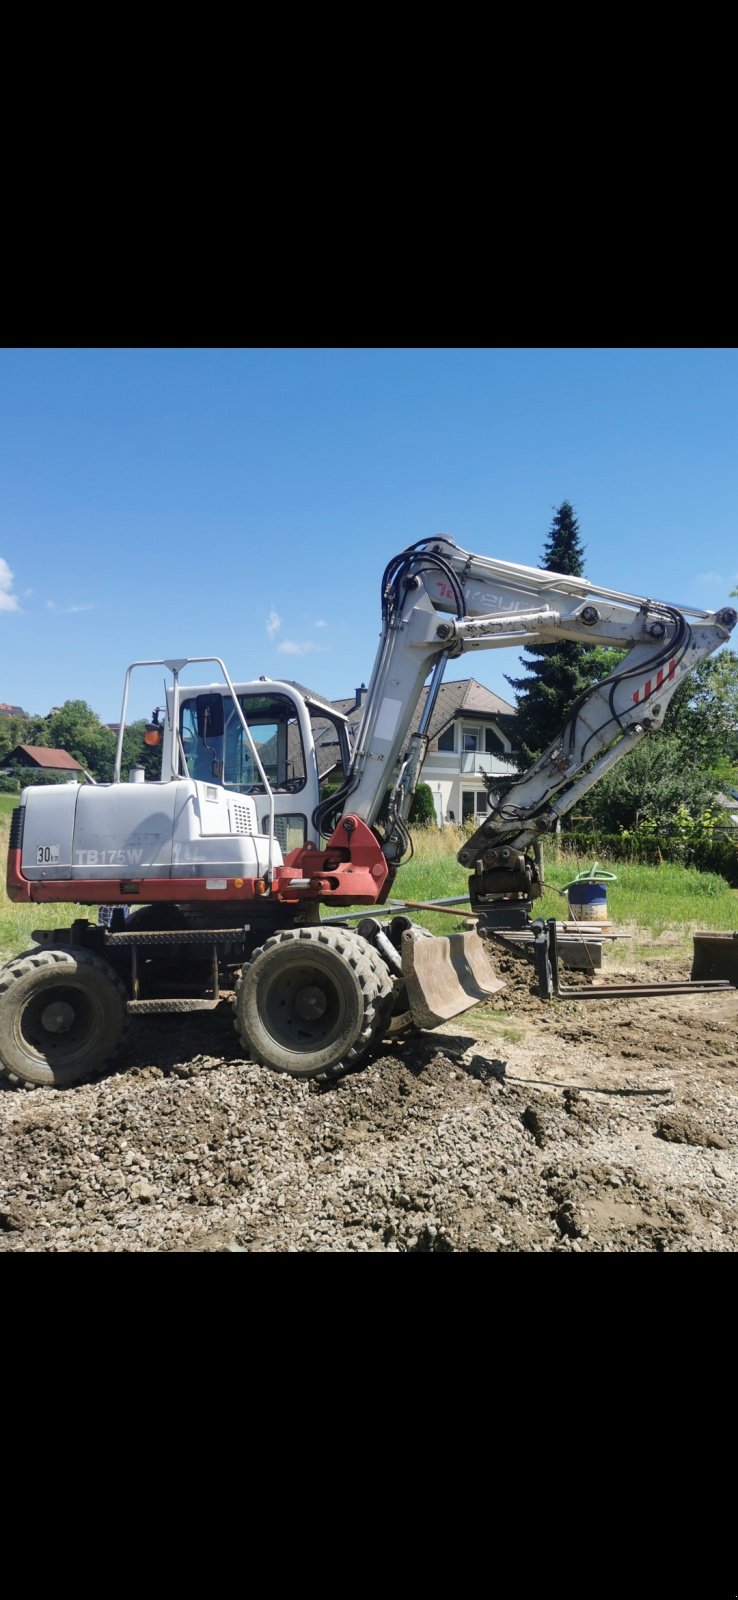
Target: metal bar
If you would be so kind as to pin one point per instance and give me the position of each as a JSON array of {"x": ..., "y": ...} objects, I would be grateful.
[
  {"x": 432, "y": 695},
  {"x": 121, "y": 729},
  {"x": 393, "y": 906},
  {"x": 427, "y": 905},
  {"x": 634, "y": 991}
]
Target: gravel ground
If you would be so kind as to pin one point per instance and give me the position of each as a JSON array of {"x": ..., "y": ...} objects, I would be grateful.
[{"x": 569, "y": 1127}]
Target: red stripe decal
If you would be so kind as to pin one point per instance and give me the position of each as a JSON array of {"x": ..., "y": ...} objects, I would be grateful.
[
  {"x": 672, "y": 668},
  {"x": 659, "y": 677},
  {"x": 636, "y": 697},
  {"x": 647, "y": 689}
]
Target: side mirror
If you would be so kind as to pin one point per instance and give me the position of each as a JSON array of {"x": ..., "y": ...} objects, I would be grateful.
[{"x": 209, "y": 717}]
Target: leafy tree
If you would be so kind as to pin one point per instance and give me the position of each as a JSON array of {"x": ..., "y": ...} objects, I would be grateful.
[
  {"x": 681, "y": 769},
  {"x": 652, "y": 782},
  {"x": 18, "y": 730},
  {"x": 137, "y": 753},
  {"x": 703, "y": 716},
  {"x": 75, "y": 727}
]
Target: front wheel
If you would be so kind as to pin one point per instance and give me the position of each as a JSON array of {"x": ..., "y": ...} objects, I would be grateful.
[
  {"x": 62, "y": 1013},
  {"x": 309, "y": 1002}
]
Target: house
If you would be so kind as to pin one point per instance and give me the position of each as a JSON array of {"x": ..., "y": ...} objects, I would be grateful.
[
  {"x": 728, "y": 802},
  {"x": 11, "y": 711},
  {"x": 471, "y": 734},
  {"x": 40, "y": 757}
]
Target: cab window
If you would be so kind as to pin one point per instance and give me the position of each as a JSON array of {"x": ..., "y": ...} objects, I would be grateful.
[{"x": 227, "y": 758}]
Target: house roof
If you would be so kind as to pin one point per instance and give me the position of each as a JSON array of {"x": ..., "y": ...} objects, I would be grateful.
[
  {"x": 11, "y": 711},
  {"x": 43, "y": 756},
  {"x": 464, "y": 697},
  {"x": 461, "y": 697}
]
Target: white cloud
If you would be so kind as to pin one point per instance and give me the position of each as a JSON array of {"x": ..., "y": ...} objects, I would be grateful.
[
  {"x": 8, "y": 600},
  {"x": 273, "y": 623},
  {"x": 710, "y": 578},
  {"x": 291, "y": 647},
  {"x": 68, "y": 611},
  {"x": 321, "y": 623}
]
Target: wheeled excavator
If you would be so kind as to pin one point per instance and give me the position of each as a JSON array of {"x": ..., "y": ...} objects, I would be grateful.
[{"x": 214, "y": 876}]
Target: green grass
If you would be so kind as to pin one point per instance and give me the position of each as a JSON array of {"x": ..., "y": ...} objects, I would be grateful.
[
  {"x": 17, "y": 922},
  {"x": 654, "y": 899},
  {"x": 657, "y": 899}
]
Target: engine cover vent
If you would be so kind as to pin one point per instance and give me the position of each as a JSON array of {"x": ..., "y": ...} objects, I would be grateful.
[{"x": 243, "y": 816}]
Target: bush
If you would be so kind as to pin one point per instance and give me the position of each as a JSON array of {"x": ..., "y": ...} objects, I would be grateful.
[
  {"x": 702, "y": 841},
  {"x": 8, "y": 785},
  {"x": 422, "y": 810},
  {"x": 30, "y": 778}
]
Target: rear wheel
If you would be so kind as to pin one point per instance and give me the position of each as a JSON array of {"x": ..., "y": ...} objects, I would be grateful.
[
  {"x": 310, "y": 1001},
  {"x": 62, "y": 1013}
]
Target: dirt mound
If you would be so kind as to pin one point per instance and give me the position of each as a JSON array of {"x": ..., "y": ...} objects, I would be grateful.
[{"x": 533, "y": 1126}]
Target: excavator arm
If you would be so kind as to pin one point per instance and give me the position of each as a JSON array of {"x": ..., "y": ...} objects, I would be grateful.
[{"x": 440, "y": 602}]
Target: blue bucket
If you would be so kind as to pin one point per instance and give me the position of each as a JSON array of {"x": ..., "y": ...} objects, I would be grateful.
[{"x": 588, "y": 901}]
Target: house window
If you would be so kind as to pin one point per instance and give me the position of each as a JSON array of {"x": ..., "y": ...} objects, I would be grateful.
[
  {"x": 471, "y": 741},
  {"x": 493, "y": 743},
  {"x": 473, "y": 805},
  {"x": 446, "y": 739}
]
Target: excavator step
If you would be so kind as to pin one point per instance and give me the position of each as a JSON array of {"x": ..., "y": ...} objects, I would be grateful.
[
  {"x": 151, "y": 1007},
  {"x": 204, "y": 936}
]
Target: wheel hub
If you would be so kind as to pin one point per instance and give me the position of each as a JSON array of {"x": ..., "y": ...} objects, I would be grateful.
[
  {"x": 310, "y": 1003},
  {"x": 58, "y": 1017}
]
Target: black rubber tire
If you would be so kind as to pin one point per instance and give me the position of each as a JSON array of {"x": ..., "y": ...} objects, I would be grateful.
[
  {"x": 37, "y": 1056},
  {"x": 385, "y": 999},
  {"x": 331, "y": 968}
]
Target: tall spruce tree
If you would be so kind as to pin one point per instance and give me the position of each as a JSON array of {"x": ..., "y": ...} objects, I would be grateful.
[{"x": 555, "y": 673}]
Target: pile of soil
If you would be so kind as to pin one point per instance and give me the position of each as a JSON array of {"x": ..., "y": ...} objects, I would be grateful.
[{"x": 563, "y": 1126}]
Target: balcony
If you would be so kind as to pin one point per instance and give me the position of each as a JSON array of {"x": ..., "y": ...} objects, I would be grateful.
[{"x": 475, "y": 762}]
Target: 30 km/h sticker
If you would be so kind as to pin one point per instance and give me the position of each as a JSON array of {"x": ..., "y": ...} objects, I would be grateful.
[{"x": 46, "y": 854}]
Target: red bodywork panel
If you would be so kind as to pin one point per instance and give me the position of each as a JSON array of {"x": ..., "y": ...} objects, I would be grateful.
[{"x": 350, "y": 870}]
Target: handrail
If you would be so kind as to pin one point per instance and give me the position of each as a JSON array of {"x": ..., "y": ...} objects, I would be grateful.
[{"x": 175, "y": 667}]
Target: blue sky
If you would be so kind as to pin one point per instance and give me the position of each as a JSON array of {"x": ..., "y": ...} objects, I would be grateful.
[{"x": 245, "y": 502}]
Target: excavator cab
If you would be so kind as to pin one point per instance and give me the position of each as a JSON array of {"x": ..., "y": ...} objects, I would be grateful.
[{"x": 291, "y": 740}]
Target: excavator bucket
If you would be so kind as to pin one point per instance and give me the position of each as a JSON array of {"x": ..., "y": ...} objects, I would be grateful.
[
  {"x": 446, "y": 976},
  {"x": 715, "y": 956}
]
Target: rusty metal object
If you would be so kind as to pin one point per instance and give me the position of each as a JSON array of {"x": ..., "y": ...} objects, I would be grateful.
[
  {"x": 545, "y": 951},
  {"x": 716, "y": 956},
  {"x": 446, "y": 976}
]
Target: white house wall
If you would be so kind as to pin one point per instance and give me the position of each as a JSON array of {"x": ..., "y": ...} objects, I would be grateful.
[{"x": 452, "y": 774}]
